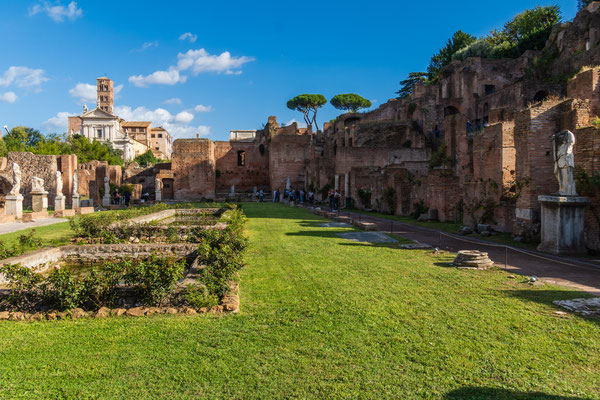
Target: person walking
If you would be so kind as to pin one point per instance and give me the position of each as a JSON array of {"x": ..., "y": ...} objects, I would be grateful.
[
  {"x": 275, "y": 196},
  {"x": 261, "y": 195},
  {"x": 336, "y": 200}
]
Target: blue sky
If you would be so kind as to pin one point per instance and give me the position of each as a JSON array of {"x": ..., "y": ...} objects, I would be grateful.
[{"x": 209, "y": 67}]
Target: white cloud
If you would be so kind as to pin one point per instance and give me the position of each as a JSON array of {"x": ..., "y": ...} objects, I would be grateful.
[
  {"x": 196, "y": 62},
  {"x": 23, "y": 77},
  {"x": 201, "y": 61},
  {"x": 170, "y": 77},
  {"x": 59, "y": 123},
  {"x": 161, "y": 117},
  {"x": 84, "y": 92},
  {"x": 58, "y": 12},
  {"x": 146, "y": 46},
  {"x": 8, "y": 97},
  {"x": 189, "y": 36},
  {"x": 200, "y": 108},
  {"x": 174, "y": 100},
  {"x": 184, "y": 117},
  {"x": 117, "y": 89}
]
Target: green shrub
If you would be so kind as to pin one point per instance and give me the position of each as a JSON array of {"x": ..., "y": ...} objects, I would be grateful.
[
  {"x": 155, "y": 278},
  {"x": 21, "y": 282},
  {"x": 222, "y": 254},
  {"x": 62, "y": 289},
  {"x": 198, "y": 296},
  {"x": 99, "y": 287}
]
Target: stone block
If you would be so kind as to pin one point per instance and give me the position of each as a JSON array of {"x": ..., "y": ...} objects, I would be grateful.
[
  {"x": 14, "y": 206},
  {"x": 367, "y": 226},
  {"x": 563, "y": 224},
  {"x": 64, "y": 213},
  {"x": 28, "y": 217},
  {"x": 7, "y": 218},
  {"x": 84, "y": 210},
  {"x": 59, "y": 203}
]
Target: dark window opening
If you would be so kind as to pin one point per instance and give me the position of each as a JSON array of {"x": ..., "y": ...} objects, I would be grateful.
[
  {"x": 540, "y": 96},
  {"x": 241, "y": 158},
  {"x": 489, "y": 89}
]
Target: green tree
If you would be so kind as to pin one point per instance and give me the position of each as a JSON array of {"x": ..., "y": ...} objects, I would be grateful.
[
  {"x": 351, "y": 102},
  {"x": 528, "y": 30},
  {"x": 144, "y": 159},
  {"x": 3, "y": 150},
  {"x": 407, "y": 86},
  {"x": 443, "y": 57},
  {"x": 308, "y": 104}
]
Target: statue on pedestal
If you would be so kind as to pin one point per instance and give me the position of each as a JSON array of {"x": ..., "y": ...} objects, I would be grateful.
[
  {"x": 106, "y": 187},
  {"x": 59, "y": 184},
  {"x": 16, "y": 180},
  {"x": 37, "y": 185},
  {"x": 564, "y": 162},
  {"x": 75, "y": 184},
  {"x": 157, "y": 184}
]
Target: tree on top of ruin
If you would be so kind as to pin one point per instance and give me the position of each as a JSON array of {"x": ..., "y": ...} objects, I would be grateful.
[
  {"x": 407, "y": 86},
  {"x": 351, "y": 102},
  {"x": 308, "y": 104},
  {"x": 443, "y": 57}
]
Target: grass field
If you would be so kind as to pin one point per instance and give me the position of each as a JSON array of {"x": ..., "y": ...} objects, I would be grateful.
[{"x": 322, "y": 317}]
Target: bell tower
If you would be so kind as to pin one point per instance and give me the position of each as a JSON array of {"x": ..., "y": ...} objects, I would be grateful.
[{"x": 105, "y": 94}]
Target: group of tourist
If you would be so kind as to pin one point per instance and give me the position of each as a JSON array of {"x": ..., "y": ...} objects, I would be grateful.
[{"x": 119, "y": 199}]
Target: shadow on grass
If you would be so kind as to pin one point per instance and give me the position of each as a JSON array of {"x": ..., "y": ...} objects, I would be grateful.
[
  {"x": 483, "y": 393},
  {"x": 546, "y": 297}
]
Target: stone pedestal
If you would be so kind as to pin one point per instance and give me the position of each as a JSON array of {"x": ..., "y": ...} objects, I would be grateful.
[
  {"x": 563, "y": 224},
  {"x": 14, "y": 206},
  {"x": 105, "y": 201},
  {"x": 59, "y": 203},
  {"x": 158, "y": 195},
  {"x": 39, "y": 201},
  {"x": 76, "y": 203}
]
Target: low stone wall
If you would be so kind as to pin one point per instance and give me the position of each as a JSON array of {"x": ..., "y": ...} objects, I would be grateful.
[{"x": 41, "y": 260}]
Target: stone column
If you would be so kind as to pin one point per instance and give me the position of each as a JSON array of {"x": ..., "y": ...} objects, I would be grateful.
[{"x": 14, "y": 205}]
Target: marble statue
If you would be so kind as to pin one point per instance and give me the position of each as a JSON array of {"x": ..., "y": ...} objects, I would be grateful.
[
  {"x": 16, "y": 180},
  {"x": 106, "y": 187},
  {"x": 75, "y": 183},
  {"x": 564, "y": 163},
  {"x": 157, "y": 184},
  {"x": 288, "y": 183},
  {"x": 37, "y": 185},
  {"x": 59, "y": 183}
]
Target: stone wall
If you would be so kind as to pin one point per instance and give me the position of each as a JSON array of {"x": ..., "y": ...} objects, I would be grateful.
[
  {"x": 254, "y": 172},
  {"x": 193, "y": 168}
]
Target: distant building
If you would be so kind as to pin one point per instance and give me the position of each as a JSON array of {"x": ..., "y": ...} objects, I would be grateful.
[
  {"x": 160, "y": 142},
  {"x": 133, "y": 138}
]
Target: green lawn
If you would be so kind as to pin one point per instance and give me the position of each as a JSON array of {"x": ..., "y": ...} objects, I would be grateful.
[
  {"x": 324, "y": 318},
  {"x": 52, "y": 235}
]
